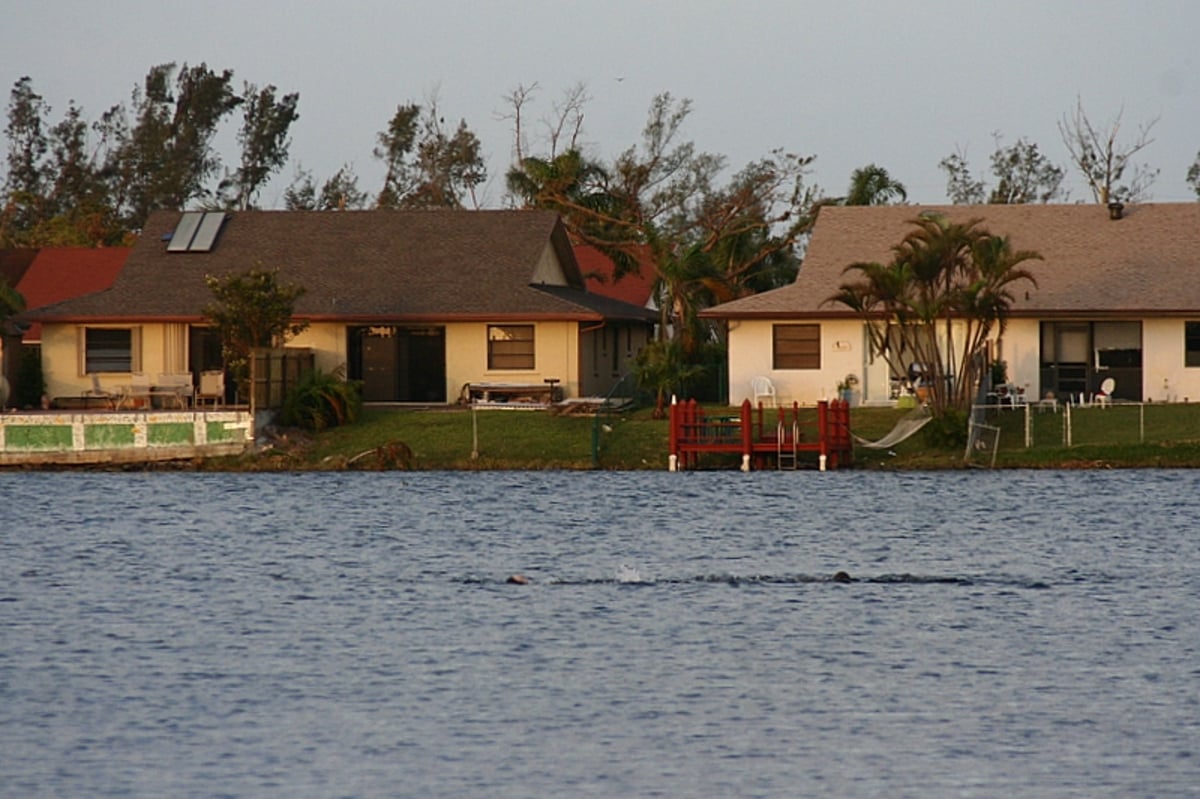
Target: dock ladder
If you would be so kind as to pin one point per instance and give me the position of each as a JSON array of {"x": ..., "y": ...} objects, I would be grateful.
[{"x": 786, "y": 451}]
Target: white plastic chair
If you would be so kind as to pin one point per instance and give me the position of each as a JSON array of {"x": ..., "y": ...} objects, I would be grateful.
[
  {"x": 763, "y": 388},
  {"x": 1103, "y": 397}
]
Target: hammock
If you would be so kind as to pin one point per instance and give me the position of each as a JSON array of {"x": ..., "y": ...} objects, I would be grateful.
[{"x": 904, "y": 428}]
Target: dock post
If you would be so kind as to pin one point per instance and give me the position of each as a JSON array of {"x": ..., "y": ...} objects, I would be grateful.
[
  {"x": 747, "y": 435},
  {"x": 673, "y": 436}
]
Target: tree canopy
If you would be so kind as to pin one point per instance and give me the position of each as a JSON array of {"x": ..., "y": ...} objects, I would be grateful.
[
  {"x": 1023, "y": 175},
  {"x": 251, "y": 309},
  {"x": 663, "y": 204}
]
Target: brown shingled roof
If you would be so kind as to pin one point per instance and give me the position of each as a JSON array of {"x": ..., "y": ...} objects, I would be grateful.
[
  {"x": 1147, "y": 262},
  {"x": 355, "y": 265}
]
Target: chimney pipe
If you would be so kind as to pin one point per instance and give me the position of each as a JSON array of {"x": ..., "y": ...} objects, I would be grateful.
[{"x": 1116, "y": 210}]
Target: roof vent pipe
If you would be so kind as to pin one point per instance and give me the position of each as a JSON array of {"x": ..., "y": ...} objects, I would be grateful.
[{"x": 1116, "y": 210}]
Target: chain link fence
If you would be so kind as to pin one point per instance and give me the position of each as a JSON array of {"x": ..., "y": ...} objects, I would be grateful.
[{"x": 994, "y": 428}]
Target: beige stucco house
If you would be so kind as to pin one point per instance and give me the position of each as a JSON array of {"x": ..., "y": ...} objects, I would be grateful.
[
  {"x": 416, "y": 304},
  {"x": 1117, "y": 296}
]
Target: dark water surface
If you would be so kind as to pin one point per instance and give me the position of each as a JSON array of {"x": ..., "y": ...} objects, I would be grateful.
[{"x": 1031, "y": 634}]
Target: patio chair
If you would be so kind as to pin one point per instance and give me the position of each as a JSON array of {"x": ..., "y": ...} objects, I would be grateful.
[
  {"x": 136, "y": 394},
  {"x": 1103, "y": 397},
  {"x": 98, "y": 392},
  {"x": 764, "y": 388},
  {"x": 174, "y": 388}
]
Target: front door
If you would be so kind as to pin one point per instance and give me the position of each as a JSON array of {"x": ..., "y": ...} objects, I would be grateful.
[{"x": 399, "y": 364}]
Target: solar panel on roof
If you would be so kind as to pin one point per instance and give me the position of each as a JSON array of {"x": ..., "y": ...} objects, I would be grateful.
[
  {"x": 185, "y": 231},
  {"x": 210, "y": 226}
]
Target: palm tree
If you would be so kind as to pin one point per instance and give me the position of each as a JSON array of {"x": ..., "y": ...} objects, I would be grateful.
[
  {"x": 872, "y": 185},
  {"x": 940, "y": 272}
]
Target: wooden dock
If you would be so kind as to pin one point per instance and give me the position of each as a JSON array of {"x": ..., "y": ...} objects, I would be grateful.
[{"x": 789, "y": 437}]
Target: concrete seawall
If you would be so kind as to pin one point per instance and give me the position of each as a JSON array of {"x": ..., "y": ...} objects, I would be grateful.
[{"x": 98, "y": 437}]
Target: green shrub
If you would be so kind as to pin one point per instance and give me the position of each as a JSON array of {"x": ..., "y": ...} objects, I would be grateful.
[
  {"x": 322, "y": 399},
  {"x": 948, "y": 431}
]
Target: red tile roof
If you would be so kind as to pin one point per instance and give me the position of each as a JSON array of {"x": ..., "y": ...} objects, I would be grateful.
[
  {"x": 599, "y": 273},
  {"x": 63, "y": 273},
  {"x": 1147, "y": 262}
]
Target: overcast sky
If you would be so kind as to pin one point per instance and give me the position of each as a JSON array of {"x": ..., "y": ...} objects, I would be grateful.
[{"x": 852, "y": 82}]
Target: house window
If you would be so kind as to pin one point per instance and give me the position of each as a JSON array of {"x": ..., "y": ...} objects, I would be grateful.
[
  {"x": 110, "y": 349},
  {"x": 797, "y": 346},
  {"x": 510, "y": 346},
  {"x": 1191, "y": 344}
]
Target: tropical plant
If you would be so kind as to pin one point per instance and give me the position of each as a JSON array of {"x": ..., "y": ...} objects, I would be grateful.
[
  {"x": 872, "y": 185},
  {"x": 661, "y": 368},
  {"x": 944, "y": 276},
  {"x": 321, "y": 400},
  {"x": 249, "y": 310}
]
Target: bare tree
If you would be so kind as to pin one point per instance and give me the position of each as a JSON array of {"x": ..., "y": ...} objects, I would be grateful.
[
  {"x": 563, "y": 129},
  {"x": 1103, "y": 160}
]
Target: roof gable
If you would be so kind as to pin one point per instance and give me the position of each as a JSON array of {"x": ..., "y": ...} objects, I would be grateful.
[{"x": 1145, "y": 262}]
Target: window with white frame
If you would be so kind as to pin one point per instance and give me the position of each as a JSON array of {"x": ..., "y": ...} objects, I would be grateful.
[{"x": 510, "y": 347}]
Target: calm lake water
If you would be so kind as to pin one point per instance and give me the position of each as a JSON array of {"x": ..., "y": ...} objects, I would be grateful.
[{"x": 1031, "y": 634}]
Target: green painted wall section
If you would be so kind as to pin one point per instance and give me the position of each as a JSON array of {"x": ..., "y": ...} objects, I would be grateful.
[
  {"x": 108, "y": 436},
  {"x": 38, "y": 437},
  {"x": 220, "y": 433},
  {"x": 170, "y": 434}
]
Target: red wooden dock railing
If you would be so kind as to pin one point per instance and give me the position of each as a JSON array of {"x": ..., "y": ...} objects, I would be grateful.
[{"x": 789, "y": 435}]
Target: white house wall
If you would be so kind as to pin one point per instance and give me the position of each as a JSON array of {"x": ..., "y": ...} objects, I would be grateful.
[
  {"x": 1164, "y": 376},
  {"x": 750, "y": 356},
  {"x": 328, "y": 342},
  {"x": 1021, "y": 351},
  {"x": 845, "y": 350}
]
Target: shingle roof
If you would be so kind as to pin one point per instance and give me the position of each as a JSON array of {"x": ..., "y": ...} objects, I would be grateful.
[
  {"x": 1147, "y": 262},
  {"x": 355, "y": 265}
]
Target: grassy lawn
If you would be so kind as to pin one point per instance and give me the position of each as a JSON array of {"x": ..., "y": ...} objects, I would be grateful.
[
  {"x": 445, "y": 438},
  {"x": 502, "y": 439}
]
